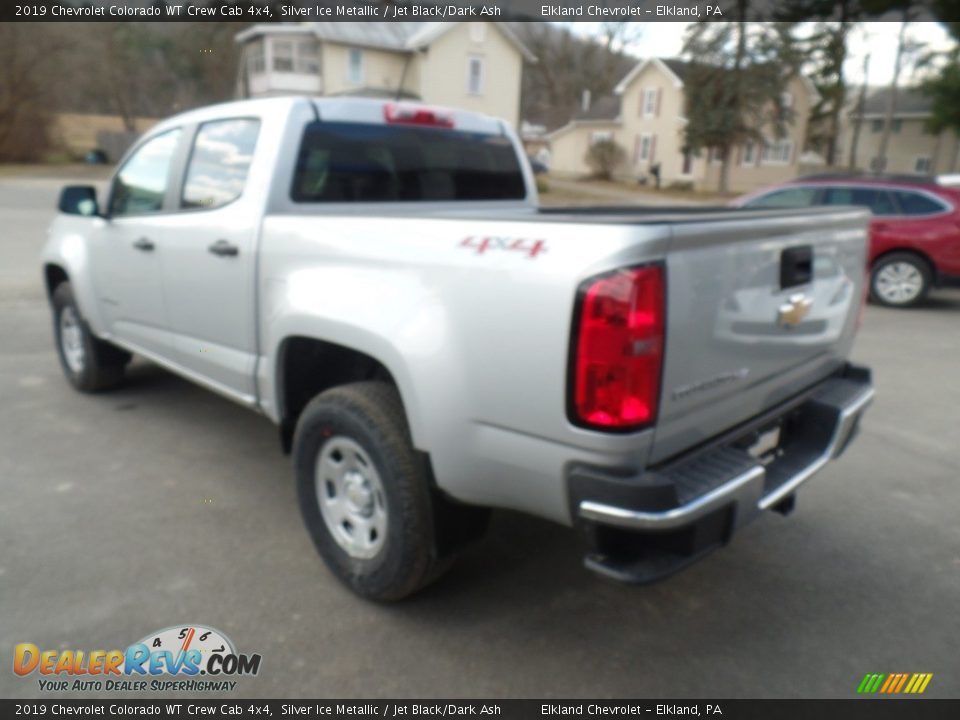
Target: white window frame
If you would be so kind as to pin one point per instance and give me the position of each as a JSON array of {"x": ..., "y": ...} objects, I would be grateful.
[
  {"x": 478, "y": 32},
  {"x": 256, "y": 58},
  {"x": 643, "y": 150},
  {"x": 307, "y": 57},
  {"x": 749, "y": 156},
  {"x": 650, "y": 108},
  {"x": 923, "y": 159},
  {"x": 288, "y": 54},
  {"x": 780, "y": 152},
  {"x": 355, "y": 70},
  {"x": 475, "y": 60}
]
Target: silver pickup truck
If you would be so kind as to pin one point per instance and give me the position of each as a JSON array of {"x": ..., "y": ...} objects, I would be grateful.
[{"x": 377, "y": 279}]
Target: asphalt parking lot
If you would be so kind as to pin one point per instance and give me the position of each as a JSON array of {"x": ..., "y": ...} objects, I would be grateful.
[{"x": 162, "y": 504}]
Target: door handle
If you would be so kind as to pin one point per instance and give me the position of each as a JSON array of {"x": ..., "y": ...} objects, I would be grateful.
[
  {"x": 144, "y": 244},
  {"x": 222, "y": 248}
]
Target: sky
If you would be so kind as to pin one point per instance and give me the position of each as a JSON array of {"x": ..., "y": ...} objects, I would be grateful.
[{"x": 660, "y": 39}]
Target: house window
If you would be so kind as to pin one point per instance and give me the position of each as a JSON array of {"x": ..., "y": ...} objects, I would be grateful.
[
  {"x": 307, "y": 58},
  {"x": 600, "y": 136},
  {"x": 355, "y": 66},
  {"x": 778, "y": 153},
  {"x": 475, "y": 76},
  {"x": 283, "y": 56},
  {"x": 650, "y": 102},
  {"x": 749, "y": 154},
  {"x": 896, "y": 125},
  {"x": 877, "y": 125},
  {"x": 687, "y": 162},
  {"x": 256, "y": 62},
  {"x": 923, "y": 165},
  {"x": 643, "y": 149},
  {"x": 478, "y": 32},
  {"x": 786, "y": 100}
]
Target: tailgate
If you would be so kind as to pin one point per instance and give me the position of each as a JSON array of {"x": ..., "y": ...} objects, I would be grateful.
[{"x": 759, "y": 307}]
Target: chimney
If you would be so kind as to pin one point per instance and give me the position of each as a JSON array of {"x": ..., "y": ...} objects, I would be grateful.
[{"x": 585, "y": 101}]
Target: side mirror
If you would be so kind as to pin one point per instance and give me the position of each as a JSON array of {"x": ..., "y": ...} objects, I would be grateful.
[{"x": 79, "y": 200}]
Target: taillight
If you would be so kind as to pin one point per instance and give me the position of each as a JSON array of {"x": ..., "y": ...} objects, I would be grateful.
[
  {"x": 405, "y": 114},
  {"x": 618, "y": 351}
]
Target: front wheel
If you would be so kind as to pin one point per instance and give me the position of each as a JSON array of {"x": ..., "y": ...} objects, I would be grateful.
[
  {"x": 364, "y": 492},
  {"x": 90, "y": 364},
  {"x": 900, "y": 280}
]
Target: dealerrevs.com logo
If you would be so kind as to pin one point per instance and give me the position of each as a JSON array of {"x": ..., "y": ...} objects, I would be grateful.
[{"x": 178, "y": 658}]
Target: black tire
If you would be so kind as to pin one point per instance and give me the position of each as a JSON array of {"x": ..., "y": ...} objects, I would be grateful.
[
  {"x": 371, "y": 415},
  {"x": 907, "y": 260},
  {"x": 102, "y": 364}
]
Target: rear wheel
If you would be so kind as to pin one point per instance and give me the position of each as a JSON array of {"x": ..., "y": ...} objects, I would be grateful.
[
  {"x": 365, "y": 494},
  {"x": 900, "y": 280},
  {"x": 91, "y": 365}
]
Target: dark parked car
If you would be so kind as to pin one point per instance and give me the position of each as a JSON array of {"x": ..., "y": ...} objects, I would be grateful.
[{"x": 914, "y": 232}]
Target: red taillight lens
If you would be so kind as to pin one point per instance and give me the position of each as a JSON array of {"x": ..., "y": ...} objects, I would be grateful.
[
  {"x": 403, "y": 114},
  {"x": 619, "y": 349}
]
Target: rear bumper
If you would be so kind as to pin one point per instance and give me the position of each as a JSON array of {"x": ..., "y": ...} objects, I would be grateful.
[{"x": 643, "y": 527}]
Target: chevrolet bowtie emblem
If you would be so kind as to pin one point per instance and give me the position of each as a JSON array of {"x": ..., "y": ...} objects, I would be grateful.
[{"x": 794, "y": 311}]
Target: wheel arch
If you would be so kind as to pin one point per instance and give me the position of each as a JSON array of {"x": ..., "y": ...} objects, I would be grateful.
[{"x": 306, "y": 366}]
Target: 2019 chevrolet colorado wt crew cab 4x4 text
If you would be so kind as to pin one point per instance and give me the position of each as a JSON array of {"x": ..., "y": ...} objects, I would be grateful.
[{"x": 377, "y": 279}]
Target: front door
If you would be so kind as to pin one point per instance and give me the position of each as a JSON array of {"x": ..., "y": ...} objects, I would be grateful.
[{"x": 128, "y": 248}]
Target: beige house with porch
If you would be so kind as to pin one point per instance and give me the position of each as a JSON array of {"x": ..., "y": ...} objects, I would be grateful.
[
  {"x": 910, "y": 148},
  {"x": 646, "y": 118},
  {"x": 471, "y": 65}
]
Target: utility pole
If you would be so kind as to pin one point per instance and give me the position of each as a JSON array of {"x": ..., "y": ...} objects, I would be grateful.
[
  {"x": 892, "y": 97},
  {"x": 861, "y": 101}
]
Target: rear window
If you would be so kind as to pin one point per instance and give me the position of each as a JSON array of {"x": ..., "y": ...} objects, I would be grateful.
[
  {"x": 913, "y": 203},
  {"x": 351, "y": 162}
]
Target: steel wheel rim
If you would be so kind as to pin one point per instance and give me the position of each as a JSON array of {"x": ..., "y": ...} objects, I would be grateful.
[
  {"x": 351, "y": 497},
  {"x": 899, "y": 283},
  {"x": 71, "y": 340}
]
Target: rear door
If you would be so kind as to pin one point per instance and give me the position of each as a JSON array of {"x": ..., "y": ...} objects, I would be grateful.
[
  {"x": 761, "y": 305},
  {"x": 210, "y": 258}
]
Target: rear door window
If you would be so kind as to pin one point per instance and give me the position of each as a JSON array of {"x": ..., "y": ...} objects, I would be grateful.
[
  {"x": 352, "y": 162},
  {"x": 221, "y": 156},
  {"x": 796, "y": 197},
  {"x": 878, "y": 200}
]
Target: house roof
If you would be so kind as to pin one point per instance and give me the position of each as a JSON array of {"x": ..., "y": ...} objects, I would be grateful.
[
  {"x": 393, "y": 36},
  {"x": 910, "y": 101},
  {"x": 603, "y": 108}
]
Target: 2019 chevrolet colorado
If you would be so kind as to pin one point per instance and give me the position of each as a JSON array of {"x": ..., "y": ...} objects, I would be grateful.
[{"x": 377, "y": 279}]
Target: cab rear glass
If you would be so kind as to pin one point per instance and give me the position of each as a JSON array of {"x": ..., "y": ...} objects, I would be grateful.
[{"x": 353, "y": 162}]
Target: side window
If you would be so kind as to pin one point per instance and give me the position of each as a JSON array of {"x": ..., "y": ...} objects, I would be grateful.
[
  {"x": 788, "y": 198},
  {"x": 142, "y": 182},
  {"x": 879, "y": 201},
  {"x": 219, "y": 161},
  {"x": 912, "y": 203}
]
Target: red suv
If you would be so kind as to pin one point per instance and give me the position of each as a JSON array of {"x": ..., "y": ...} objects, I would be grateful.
[{"x": 914, "y": 233}]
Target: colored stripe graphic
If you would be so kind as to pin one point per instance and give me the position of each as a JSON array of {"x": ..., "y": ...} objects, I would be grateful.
[{"x": 894, "y": 683}]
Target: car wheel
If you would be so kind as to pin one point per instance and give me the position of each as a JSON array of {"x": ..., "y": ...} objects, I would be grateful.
[
  {"x": 91, "y": 365},
  {"x": 900, "y": 280},
  {"x": 364, "y": 492}
]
